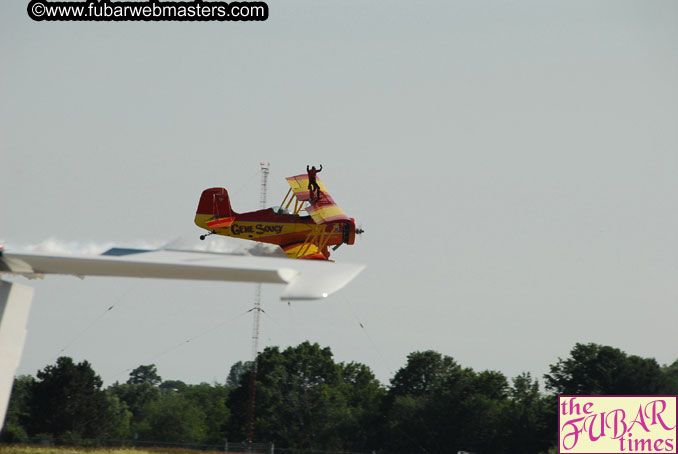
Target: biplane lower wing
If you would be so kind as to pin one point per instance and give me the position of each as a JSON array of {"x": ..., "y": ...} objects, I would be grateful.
[{"x": 303, "y": 251}]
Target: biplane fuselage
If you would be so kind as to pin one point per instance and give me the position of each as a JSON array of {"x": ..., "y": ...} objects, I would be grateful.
[{"x": 300, "y": 236}]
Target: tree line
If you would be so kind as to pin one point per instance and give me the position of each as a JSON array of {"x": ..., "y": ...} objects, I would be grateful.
[{"x": 306, "y": 400}]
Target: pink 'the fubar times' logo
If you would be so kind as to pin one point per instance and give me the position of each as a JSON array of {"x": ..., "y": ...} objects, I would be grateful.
[{"x": 617, "y": 424}]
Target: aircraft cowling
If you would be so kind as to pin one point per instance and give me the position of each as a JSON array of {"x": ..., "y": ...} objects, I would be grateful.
[{"x": 349, "y": 232}]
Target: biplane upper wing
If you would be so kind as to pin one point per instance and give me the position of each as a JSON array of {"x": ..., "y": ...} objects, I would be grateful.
[
  {"x": 299, "y": 184},
  {"x": 322, "y": 210}
]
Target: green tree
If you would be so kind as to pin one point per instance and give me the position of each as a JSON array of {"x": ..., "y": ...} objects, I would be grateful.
[
  {"x": 306, "y": 400},
  {"x": 121, "y": 418},
  {"x": 18, "y": 411},
  {"x": 424, "y": 372},
  {"x": 136, "y": 399},
  {"x": 598, "y": 369},
  {"x": 173, "y": 385},
  {"x": 671, "y": 378},
  {"x": 364, "y": 397},
  {"x": 532, "y": 417},
  {"x": 237, "y": 372},
  {"x": 434, "y": 405},
  {"x": 174, "y": 419},
  {"x": 144, "y": 374},
  {"x": 67, "y": 401},
  {"x": 414, "y": 402},
  {"x": 212, "y": 400},
  {"x": 193, "y": 413}
]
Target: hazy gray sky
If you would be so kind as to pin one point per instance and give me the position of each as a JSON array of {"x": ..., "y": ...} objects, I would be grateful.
[{"x": 514, "y": 165}]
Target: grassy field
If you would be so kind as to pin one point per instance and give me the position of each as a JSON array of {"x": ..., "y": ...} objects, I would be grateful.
[{"x": 29, "y": 449}]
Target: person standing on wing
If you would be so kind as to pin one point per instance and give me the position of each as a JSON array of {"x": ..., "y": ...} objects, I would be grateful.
[{"x": 312, "y": 183}]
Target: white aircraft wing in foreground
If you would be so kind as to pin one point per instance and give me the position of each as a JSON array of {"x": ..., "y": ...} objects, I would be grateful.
[{"x": 303, "y": 280}]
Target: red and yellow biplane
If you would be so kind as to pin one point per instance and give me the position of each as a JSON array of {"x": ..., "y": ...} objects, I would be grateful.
[{"x": 300, "y": 236}]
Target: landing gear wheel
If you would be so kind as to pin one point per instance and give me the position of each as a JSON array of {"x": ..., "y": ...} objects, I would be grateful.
[{"x": 213, "y": 232}]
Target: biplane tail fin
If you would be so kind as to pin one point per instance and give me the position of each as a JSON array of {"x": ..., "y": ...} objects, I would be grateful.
[{"x": 214, "y": 209}]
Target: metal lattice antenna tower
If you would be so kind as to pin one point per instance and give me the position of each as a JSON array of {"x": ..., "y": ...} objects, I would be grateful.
[{"x": 265, "y": 168}]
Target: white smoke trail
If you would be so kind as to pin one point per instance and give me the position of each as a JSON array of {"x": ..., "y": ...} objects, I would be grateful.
[
  {"x": 218, "y": 244},
  {"x": 58, "y": 246},
  {"x": 224, "y": 245}
]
